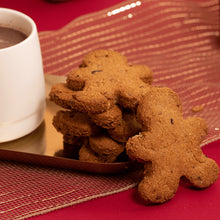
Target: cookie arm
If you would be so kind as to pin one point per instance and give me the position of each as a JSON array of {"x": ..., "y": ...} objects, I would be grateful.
[
  {"x": 91, "y": 101},
  {"x": 203, "y": 173},
  {"x": 199, "y": 126},
  {"x": 138, "y": 149}
]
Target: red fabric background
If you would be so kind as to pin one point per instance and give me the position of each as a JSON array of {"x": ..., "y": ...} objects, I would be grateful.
[
  {"x": 51, "y": 16},
  {"x": 187, "y": 204}
]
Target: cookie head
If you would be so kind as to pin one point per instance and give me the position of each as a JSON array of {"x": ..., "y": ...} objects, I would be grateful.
[{"x": 172, "y": 146}]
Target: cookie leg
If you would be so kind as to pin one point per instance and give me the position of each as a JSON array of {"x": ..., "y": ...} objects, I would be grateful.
[{"x": 158, "y": 186}]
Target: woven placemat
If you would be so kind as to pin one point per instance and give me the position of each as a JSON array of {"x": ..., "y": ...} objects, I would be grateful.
[{"x": 178, "y": 40}]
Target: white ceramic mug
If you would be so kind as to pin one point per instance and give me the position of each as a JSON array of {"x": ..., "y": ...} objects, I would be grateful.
[{"x": 22, "y": 87}]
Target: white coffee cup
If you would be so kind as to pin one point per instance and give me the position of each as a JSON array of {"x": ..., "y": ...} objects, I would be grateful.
[{"x": 22, "y": 87}]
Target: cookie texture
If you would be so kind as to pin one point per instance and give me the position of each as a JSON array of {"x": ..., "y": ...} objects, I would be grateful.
[
  {"x": 105, "y": 146},
  {"x": 67, "y": 98},
  {"x": 128, "y": 127},
  {"x": 86, "y": 154},
  {"x": 95, "y": 98},
  {"x": 108, "y": 119},
  {"x": 170, "y": 147},
  {"x": 111, "y": 112},
  {"x": 75, "y": 140},
  {"x": 72, "y": 123},
  {"x": 105, "y": 78}
]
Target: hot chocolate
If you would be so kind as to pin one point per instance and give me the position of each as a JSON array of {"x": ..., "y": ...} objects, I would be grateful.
[{"x": 10, "y": 37}]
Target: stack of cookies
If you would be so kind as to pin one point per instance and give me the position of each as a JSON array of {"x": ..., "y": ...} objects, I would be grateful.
[
  {"x": 111, "y": 106},
  {"x": 100, "y": 99}
]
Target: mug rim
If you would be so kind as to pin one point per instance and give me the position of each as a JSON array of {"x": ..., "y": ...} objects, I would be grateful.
[{"x": 28, "y": 19}]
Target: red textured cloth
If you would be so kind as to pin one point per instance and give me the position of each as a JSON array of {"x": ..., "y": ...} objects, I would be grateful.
[
  {"x": 52, "y": 16},
  {"x": 187, "y": 203},
  {"x": 179, "y": 41}
]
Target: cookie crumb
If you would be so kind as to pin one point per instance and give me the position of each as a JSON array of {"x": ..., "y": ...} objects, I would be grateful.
[{"x": 197, "y": 108}]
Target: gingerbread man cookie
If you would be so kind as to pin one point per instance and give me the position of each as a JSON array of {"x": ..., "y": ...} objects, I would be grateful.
[
  {"x": 170, "y": 147},
  {"x": 104, "y": 79}
]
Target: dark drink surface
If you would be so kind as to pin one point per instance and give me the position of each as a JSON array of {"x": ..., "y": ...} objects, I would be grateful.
[{"x": 10, "y": 37}]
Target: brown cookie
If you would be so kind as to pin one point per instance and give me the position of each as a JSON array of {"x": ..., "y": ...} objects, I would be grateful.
[
  {"x": 109, "y": 119},
  {"x": 86, "y": 154},
  {"x": 72, "y": 145},
  {"x": 105, "y": 78},
  {"x": 103, "y": 145},
  {"x": 128, "y": 127},
  {"x": 72, "y": 123},
  {"x": 67, "y": 98},
  {"x": 170, "y": 145},
  {"x": 75, "y": 140}
]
